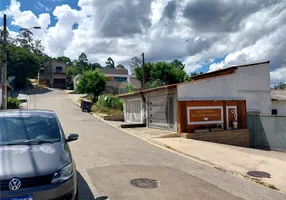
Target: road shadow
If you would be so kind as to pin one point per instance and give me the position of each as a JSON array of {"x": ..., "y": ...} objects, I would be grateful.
[
  {"x": 84, "y": 191},
  {"x": 38, "y": 90}
]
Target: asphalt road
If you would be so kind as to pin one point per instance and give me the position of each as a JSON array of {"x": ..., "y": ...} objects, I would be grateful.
[{"x": 108, "y": 159}]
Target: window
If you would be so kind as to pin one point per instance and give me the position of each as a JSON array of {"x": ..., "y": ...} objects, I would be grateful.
[
  {"x": 120, "y": 79},
  {"x": 59, "y": 69},
  {"x": 274, "y": 112}
]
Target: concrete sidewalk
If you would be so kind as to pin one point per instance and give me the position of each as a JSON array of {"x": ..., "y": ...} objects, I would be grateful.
[
  {"x": 234, "y": 160},
  {"x": 230, "y": 159}
]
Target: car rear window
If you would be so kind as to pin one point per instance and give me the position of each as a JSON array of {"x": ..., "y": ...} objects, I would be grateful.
[{"x": 29, "y": 127}]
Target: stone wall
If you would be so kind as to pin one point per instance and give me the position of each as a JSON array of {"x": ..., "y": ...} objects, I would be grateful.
[{"x": 230, "y": 137}]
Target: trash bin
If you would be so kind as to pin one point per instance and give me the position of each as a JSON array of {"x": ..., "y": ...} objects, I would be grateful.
[{"x": 86, "y": 105}]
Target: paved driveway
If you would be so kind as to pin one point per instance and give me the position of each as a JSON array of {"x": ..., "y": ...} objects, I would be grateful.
[{"x": 108, "y": 159}]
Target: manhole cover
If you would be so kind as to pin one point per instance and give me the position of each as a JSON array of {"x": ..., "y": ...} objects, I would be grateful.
[
  {"x": 145, "y": 183},
  {"x": 259, "y": 174}
]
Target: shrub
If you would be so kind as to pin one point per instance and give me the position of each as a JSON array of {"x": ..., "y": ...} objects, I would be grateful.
[
  {"x": 13, "y": 103},
  {"x": 110, "y": 102}
]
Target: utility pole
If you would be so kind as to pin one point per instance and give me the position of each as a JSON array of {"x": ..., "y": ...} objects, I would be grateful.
[
  {"x": 4, "y": 66},
  {"x": 144, "y": 87},
  {"x": 144, "y": 73}
]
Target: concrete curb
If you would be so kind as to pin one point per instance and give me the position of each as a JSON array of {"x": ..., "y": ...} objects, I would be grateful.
[{"x": 194, "y": 158}]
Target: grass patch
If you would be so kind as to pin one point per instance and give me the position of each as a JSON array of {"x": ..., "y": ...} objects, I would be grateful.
[{"x": 104, "y": 110}]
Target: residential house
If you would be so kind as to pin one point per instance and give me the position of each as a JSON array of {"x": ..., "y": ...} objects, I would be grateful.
[
  {"x": 118, "y": 78},
  {"x": 214, "y": 99},
  {"x": 278, "y": 100},
  {"x": 53, "y": 74}
]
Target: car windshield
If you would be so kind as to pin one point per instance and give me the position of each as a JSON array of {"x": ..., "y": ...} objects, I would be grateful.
[{"x": 28, "y": 129}]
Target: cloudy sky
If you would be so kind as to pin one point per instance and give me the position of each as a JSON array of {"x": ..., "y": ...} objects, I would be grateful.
[{"x": 205, "y": 34}]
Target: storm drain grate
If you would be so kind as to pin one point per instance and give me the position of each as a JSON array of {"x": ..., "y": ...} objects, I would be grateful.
[
  {"x": 259, "y": 174},
  {"x": 145, "y": 183}
]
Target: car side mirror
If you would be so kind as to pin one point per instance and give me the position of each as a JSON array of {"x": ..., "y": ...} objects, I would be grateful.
[{"x": 72, "y": 137}]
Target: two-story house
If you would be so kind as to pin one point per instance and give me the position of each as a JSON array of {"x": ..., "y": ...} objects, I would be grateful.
[
  {"x": 53, "y": 74},
  {"x": 117, "y": 79}
]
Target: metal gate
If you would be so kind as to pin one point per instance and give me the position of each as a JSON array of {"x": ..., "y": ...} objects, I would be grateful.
[
  {"x": 161, "y": 112},
  {"x": 267, "y": 132},
  {"x": 134, "y": 111}
]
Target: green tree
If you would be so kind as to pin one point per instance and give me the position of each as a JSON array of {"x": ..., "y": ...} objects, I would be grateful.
[
  {"x": 94, "y": 66},
  {"x": 65, "y": 59},
  {"x": 2, "y": 35},
  {"x": 280, "y": 86},
  {"x": 139, "y": 73},
  {"x": 194, "y": 74},
  {"x": 120, "y": 67},
  {"x": 110, "y": 63},
  {"x": 161, "y": 73},
  {"x": 38, "y": 48},
  {"x": 128, "y": 88},
  {"x": 83, "y": 58},
  {"x": 92, "y": 82},
  {"x": 23, "y": 64},
  {"x": 178, "y": 64},
  {"x": 44, "y": 58},
  {"x": 83, "y": 62},
  {"x": 25, "y": 38},
  {"x": 135, "y": 63}
]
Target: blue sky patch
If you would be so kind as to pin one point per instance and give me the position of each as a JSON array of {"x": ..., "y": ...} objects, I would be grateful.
[{"x": 38, "y": 7}]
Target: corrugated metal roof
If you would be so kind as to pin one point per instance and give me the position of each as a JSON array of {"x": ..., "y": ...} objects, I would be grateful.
[{"x": 279, "y": 95}]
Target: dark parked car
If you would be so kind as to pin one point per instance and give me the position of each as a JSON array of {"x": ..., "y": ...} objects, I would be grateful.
[{"x": 35, "y": 159}]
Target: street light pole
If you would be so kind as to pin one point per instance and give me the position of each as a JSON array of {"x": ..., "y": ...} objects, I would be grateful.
[{"x": 4, "y": 66}]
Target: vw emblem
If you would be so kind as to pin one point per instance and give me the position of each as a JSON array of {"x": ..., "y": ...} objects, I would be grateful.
[{"x": 14, "y": 184}]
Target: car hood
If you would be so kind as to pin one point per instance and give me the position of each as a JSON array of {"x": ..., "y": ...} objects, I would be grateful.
[{"x": 33, "y": 160}]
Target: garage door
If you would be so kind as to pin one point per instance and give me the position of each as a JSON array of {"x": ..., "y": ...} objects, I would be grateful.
[
  {"x": 134, "y": 111},
  {"x": 161, "y": 112},
  {"x": 59, "y": 83}
]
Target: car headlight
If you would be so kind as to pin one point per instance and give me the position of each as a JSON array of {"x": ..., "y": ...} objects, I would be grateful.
[{"x": 63, "y": 175}]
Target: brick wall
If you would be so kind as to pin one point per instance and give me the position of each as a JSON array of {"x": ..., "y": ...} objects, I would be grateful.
[{"x": 231, "y": 137}]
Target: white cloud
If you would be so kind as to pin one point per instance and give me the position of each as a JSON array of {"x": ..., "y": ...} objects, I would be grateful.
[
  {"x": 279, "y": 75},
  {"x": 165, "y": 30},
  {"x": 27, "y": 19},
  {"x": 42, "y": 7}
]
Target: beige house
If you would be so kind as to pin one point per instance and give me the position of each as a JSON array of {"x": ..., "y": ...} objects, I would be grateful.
[{"x": 118, "y": 78}]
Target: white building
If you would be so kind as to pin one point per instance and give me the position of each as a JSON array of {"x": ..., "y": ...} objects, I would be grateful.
[
  {"x": 245, "y": 82},
  {"x": 249, "y": 82},
  {"x": 278, "y": 98}
]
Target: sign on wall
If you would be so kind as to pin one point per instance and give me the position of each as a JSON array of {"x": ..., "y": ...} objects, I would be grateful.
[{"x": 205, "y": 115}]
